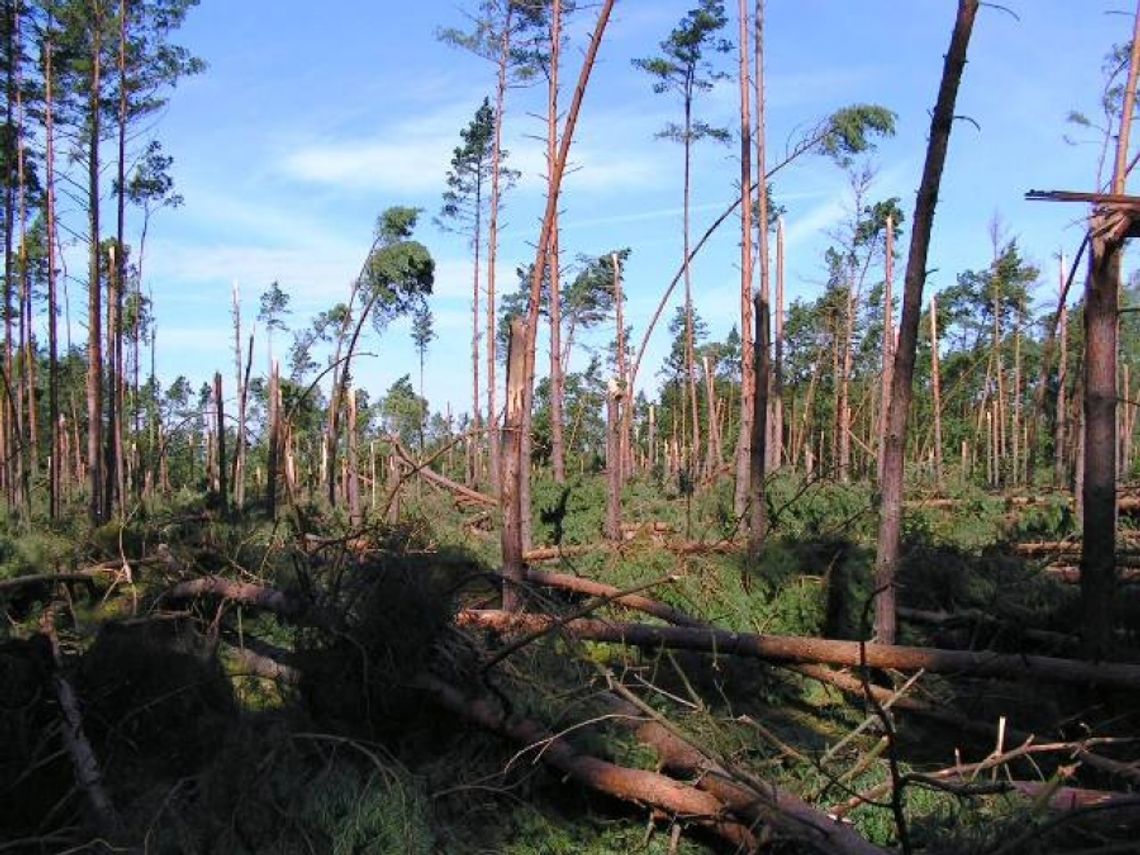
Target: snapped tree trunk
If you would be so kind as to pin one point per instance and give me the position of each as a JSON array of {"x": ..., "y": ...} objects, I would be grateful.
[
  {"x": 1098, "y": 533},
  {"x": 890, "y": 508},
  {"x": 514, "y": 572}
]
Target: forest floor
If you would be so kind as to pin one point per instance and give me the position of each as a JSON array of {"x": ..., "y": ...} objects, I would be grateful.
[{"x": 250, "y": 686}]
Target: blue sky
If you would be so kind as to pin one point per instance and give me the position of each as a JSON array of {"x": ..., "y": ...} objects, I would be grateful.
[{"x": 311, "y": 120}]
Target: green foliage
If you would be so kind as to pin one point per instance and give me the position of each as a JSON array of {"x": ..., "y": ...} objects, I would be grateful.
[
  {"x": 849, "y": 131},
  {"x": 399, "y": 271}
]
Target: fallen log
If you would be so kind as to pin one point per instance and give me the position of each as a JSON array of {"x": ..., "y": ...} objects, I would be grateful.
[
  {"x": 557, "y": 553},
  {"x": 280, "y": 603},
  {"x": 1071, "y": 574},
  {"x": 579, "y": 585},
  {"x": 434, "y": 477},
  {"x": 649, "y": 789},
  {"x": 84, "y": 577},
  {"x": 761, "y": 802},
  {"x": 777, "y": 648},
  {"x": 263, "y": 660},
  {"x": 973, "y": 617},
  {"x": 88, "y": 774}
]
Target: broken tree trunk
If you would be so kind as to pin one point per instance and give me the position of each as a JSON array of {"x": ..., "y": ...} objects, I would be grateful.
[
  {"x": 778, "y": 648},
  {"x": 631, "y": 785},
  {"x": 761, "y": 803},
  {"x": 580, "y": 585},
  {"x": 514, "y": 572},
  {"x": 613, "y": 463},
  {"x": 88, "y": 774}
]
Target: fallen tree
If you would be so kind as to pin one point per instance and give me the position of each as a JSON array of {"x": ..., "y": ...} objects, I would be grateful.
[
  {"x": 758, "y": 802},
  {"x": 637, "y": 786},
  {"x": 777, "y": 648},
  {"x": 580, "y": 585}
]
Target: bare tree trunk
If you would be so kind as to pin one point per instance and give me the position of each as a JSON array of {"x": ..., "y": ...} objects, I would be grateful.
[
  {"x": 355, "y": 515},
  {"x": 58, "y": 458},
  {"x": 936, "y": 388},
  {"x": 1016, "y": 415},
  {"x": 1060, "y": 469},
  {"x": 744, "y": 440},
  {"x": 97, "y": 504},
  {"x": 514, "y": 572},
  {"x": 1098, "y": 535},
  {"x": 624, "y": 380},
  {"x": 690, "y": 350},
  {"x": 758, "y": 512},
  {"x": 890, "y": 525},
  {"x": 219, "y": 413},
  {"x": 613, "y": 462},
  {"x": 476, "y": 414},
  {"x": 543, "y": 245},
  {"x": 557, "y": 443},
  {"x": 273, "y": 456},
  {"x": 493, "y": 251},
  {"x": 888, "y": 339},
  {"x": 776, "y": 456}
]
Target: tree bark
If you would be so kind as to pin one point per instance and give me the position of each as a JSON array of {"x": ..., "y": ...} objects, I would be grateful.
[
  {"x": 890, "y": 524},
  {"x": 514, "y": 571},
  {"x": 613, "y": 463},
  {"x": 557, "y": 393},
  {"x": 758, "y": 508},
  {"x": 97, "y": 507},
  {"x": 219, "y": 413},
  {"x": 1098, "y": 534},
  {"x": 747, "y": 364},
  {"x": 543, "y": 244},
  {"x": 633, "y": 785},
  {"x": 888, "y": 340},
  {"x": 56, "y": 459},
  {"x": 936, "y": 388},
  {"x": 779, "y": 648},
  {"x": 494, "y": 205}
]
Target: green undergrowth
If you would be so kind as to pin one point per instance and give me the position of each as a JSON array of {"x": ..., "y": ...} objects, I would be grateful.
[{"x": 201, "y": 755}]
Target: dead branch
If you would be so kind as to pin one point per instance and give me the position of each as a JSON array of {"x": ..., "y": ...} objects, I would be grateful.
[
  {"x": 1052, "y": 793},
  {"x": 631, "y": 785},
  {"x": 777, "y": 648}
]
